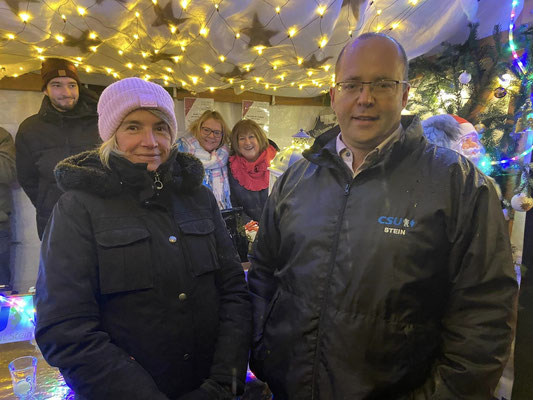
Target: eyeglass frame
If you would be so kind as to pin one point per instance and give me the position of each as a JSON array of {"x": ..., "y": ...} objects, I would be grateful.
[
  {"x": 338, "y": 85},
  {"x": 216, "y": 133}
]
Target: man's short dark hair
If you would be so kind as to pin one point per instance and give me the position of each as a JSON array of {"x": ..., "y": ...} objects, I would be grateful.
[{"x": 370, "y": 35}]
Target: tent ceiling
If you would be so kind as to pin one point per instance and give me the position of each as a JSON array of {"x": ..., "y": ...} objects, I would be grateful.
[{"x": 283, "y": 47}]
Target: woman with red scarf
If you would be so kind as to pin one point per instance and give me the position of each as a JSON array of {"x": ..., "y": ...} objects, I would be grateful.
[{"x": 248, "y": 172}]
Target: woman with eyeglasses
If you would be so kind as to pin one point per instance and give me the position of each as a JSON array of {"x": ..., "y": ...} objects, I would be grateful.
[
  {"x": 206, "y": 140},
  {"x": 248, "y": 167}
]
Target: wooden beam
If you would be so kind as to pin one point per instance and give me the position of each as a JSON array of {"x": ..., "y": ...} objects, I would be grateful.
[
  {"x": 29, "y": 81},
  {"x": 229, "y": 96},
  {"x": 32, "y": 82}
]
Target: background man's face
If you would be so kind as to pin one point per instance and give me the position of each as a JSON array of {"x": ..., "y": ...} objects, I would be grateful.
[
  {"x": 63, "y": 93},
  {"x": 365, "y": 120}
]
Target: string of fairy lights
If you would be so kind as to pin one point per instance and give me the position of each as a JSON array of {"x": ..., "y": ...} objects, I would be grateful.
[
  {"x": 160, "y": 49},
  {"x": 485, "y": 163}
]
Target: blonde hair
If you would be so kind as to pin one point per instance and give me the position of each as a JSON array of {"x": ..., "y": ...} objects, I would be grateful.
[
  {"x": 245, "y": 126},
  {"x": 196, "y": 126}
]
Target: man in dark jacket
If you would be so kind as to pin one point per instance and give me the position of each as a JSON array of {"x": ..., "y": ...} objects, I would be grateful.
[
  {"x": 65, "y": 125},
  {"x": 7, "y": 176},
  {"x": 382, "y": 268}
]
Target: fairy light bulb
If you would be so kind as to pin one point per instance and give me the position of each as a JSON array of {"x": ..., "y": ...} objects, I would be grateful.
[
  {"x": 92, "y": 35},
  {"x": 82, "y": 11},
  {"x": 144, "y": 67},
  {"x": 321, "y": 10},
  {"x": 203, "y": 31},
  {"x": 24, "y": 16},
  {"x": 194, "y": 80},
  {"x": 300, "y": 60},
  {"x": 60, "y": 38},
  {"x": 292, "y": 32},
  {"x": 222, "y": 58},
  {"x": 323, "y": 42},
  {"x": 259, "y": 49},
  {"x": 278, "y": 9},
  {"x": 129, "y": 65}
]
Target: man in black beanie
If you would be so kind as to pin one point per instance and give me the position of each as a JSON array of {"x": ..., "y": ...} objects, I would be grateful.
[{"x": 65, "y": 125}]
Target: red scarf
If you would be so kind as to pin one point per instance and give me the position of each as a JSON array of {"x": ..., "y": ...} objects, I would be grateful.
[{"x": 253, "y": 175}]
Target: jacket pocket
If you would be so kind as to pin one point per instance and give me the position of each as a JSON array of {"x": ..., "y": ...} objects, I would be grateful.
[
  {"x": 200, "y": 245},
  {"x": 124, "y": 258}
]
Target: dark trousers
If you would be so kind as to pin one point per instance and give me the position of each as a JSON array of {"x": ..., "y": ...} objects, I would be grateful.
[{"x": 5, "y": 244}]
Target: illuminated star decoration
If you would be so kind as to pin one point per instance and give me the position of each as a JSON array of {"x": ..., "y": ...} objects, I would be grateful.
[
  {"x": 14, "y": 4},
  {"x": 154, "y": 58},
  {"x": 313, "y": 63},
  {"x": 84, "y": 42},
  {"x": 166, "y": 16},
  {"x": 259, "y": 36},
  {"x": 236, "y": 73}
]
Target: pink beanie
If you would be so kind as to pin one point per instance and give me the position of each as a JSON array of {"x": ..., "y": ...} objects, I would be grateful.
[{"x": 127, "y": 95}]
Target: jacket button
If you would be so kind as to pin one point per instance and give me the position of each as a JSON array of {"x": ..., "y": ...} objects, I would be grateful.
[
  {"x": 182, "y": 297},
  {"x": 186, "y": 356},
  {"x": 172, "y": 239}
]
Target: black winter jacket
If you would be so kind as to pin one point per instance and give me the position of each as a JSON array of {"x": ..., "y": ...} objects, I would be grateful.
[
  {"x": 48, "y": 137},
  {"x": 140, "y": 293},
  {"x": 395, "y": 284}
]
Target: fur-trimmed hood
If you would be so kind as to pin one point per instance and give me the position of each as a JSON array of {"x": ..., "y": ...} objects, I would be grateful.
[{"x": 85, "y": 172}]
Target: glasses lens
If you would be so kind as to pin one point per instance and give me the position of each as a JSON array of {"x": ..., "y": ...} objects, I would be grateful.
[
  {"x": 383, "y": 87},
  {"x": 207, "y": 131}
]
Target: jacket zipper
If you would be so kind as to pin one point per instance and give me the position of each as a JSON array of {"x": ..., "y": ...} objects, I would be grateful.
[
  {"x": 335, "y": 247},
  {"x": 157, "y": 181}
]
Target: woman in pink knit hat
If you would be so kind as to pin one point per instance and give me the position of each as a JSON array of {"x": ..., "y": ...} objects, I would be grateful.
[{"x": 140, "y": 294}]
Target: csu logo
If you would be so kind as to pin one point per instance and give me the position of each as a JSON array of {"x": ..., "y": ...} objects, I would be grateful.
[
  {"x": 398, "y": 224},
  {"x": 403, "y": 222}
]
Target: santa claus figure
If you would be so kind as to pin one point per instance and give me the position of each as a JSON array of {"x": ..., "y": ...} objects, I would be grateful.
[{"x": 455, "y": 133}]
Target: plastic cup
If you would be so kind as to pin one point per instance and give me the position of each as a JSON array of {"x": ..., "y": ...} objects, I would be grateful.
[{"x": 23, "y": 372}]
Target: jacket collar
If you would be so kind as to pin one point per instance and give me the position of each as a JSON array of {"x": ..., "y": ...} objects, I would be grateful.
[
  {"x": 181, "y": 172},
  {"x": 323, "y": 151}
]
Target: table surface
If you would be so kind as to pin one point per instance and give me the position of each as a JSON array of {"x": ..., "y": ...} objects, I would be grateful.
[{"x": 50, "y": 383}]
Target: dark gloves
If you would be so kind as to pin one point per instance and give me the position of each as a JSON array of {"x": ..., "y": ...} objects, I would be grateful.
[{"x": 210, "y": 390}]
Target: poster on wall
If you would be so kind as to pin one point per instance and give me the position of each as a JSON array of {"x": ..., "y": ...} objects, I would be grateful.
[
  {"x": 258, "y": 111},
  {"x": 194, "y": 107},
  {"x": 16, "y": 318}
]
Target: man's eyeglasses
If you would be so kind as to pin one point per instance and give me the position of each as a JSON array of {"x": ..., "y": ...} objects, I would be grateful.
[
  {"x": 381, "y": 88},
  {"x": 208, "y": 131}
]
